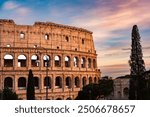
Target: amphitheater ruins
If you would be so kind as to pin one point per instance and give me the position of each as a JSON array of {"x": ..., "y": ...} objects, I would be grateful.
[{"x": 65, "y": 54}]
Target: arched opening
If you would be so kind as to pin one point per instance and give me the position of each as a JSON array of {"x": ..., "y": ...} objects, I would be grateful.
[
  {"x": 77, "y": 82},
  {"x": 94, "y": 63},
  {"x": 36, "y": 82},
  {"x": 21, "y": 61},
  {"x": 69, "y": 98},
  {"x": 95, "y": 80},
  {"x": 46, "y": 37},
  {"x": 57, "y": 61},
  {"x": 34, "y": 61},
  {"x": 90, "y": 80},
  {"x": 47, "y": 82},
  {"x": 83, "y": 62},
  {"x": 58, "y": 99},
  {"x": 22, "y": 35},
  {"x": 126, "y": 91},
  {"x": 8, "y": 60},
  {"x": 58, "y": 82},
  {"x": 68, "y": 82},
  {"x": 84, "y": 81},
  {"x": 76, "y": 62},
  {"x": 67, "y": 61},
  {"x": 8, "y": 82},
  {"x": 89, "y": 63},
  {"x": 46, "y": 61},
  {"x": 67, "y": 39},
  {"x": 22, "y": 83}
]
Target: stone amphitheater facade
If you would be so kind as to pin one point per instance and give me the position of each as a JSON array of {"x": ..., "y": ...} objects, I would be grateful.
[{"x": 65, "y": 54}]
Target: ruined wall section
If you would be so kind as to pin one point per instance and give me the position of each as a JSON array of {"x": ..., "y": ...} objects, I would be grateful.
[{"x": 58, "y": 36}]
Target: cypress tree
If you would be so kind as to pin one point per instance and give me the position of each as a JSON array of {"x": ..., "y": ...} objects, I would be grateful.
[
  {"x": 30, "y": 87},
  {"x": 137, "y": 88}
]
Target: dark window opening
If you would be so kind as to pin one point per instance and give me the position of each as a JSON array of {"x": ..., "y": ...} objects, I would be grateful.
[
  {"x": 77, "y": 82},
  {"x": 83, "y": 62},
  {"x": 47, "y": 82},
  {"x": 83, "y": 41},
  {"x": 68, "y": 82},
  {"x": 89, "y": 63},
  {"x": 94, "y": 63},
  {"x": 34, "y": 61},
  {"x": 36, "y": 82},
  {"x": 57, "y": 61},
  {"x": 8, "y": 82},
  {"x": 90, "y": 80},
  {"x": 21, "y": 61},
  {"x": 8, "y": 60},
  {"x": 58, "y": 82},
  {"x": 67, "y": 39},
  {"x": 22, "y": 83},
  {"x": 46, "y": 37},
  {"x": 67, "y": 61},
  {"x": 83, "y": 81}
]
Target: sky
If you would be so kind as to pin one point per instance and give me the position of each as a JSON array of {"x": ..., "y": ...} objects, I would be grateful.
[{"x": 111, "y": 22}]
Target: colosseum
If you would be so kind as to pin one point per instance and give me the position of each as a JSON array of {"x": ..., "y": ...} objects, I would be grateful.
[{"x": 62, "y": 55}]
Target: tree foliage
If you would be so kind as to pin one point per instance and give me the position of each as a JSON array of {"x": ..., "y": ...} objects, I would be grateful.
[
  {"x": 30, "y": 87},
  {"x": 8, "y": 94},
  {"x": 95, "y": 91},
  {"x": 137, "y": 87}
]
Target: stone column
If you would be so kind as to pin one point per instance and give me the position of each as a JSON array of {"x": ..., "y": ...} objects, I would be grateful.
[
  {"x": 53, "y": 82},
  {"x": 15, "y": 61},
  {"x": 15, "y": 83},
  {"x": 63, "y": 82},
  {"x": 71, "y": 61},
  {"x": 52, "y": 61},
  {"x": 63, "y": 61},
  {"x": 72, "y": 82},
  {"x": 80, "y": 78}
]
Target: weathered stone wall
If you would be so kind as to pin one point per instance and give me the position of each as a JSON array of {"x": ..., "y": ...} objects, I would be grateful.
[{"x": 50, "y": 39}]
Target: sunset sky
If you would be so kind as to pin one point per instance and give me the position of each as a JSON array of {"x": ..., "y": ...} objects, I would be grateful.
[{"x": 110, "y": 21}]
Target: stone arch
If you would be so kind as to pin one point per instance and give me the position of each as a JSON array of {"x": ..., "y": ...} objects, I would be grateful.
[
  {"x": 89, "y": 63},
  {"x": 69, "y": 98},
  {"x": 36, "y": 82},
  {"x": 67, "y": 61},
  {"x": 57, "y": 61},
  {"x": 47, "y": 82},
  {"x": 94, "y": 63},
  {"x": 68, "y": 82},
  {"x": 95, "y": 80},
  {"x": 77, "y": 82},
  {"x": 22, "y": 83},
  {"x": 46, "y": 36},
  {"x": 58, "y": 82},
  {"x": 22, "y": 61},
  {"x": 8, "y": 60},
  {"x": 83, "y": 62},
  {"x": 58, "y": 98},
  {"x": 126, "y": 91},
  {"x": 90, "y": 80},
  {"x": 76, "y": 62},
  {"x": 46, "y": 61},
  {"x": 8, "y": 82},
  {"x": 83, "y": 81},
  {"x": 34, "y": 60}
]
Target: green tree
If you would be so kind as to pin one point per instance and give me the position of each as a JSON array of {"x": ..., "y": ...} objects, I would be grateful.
[
  {"x": 8, "y": 94},
  {"x": 137, "y": 87},
  {"x": 95, "y": 91},
  {"x": 30, "y": 87}
]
